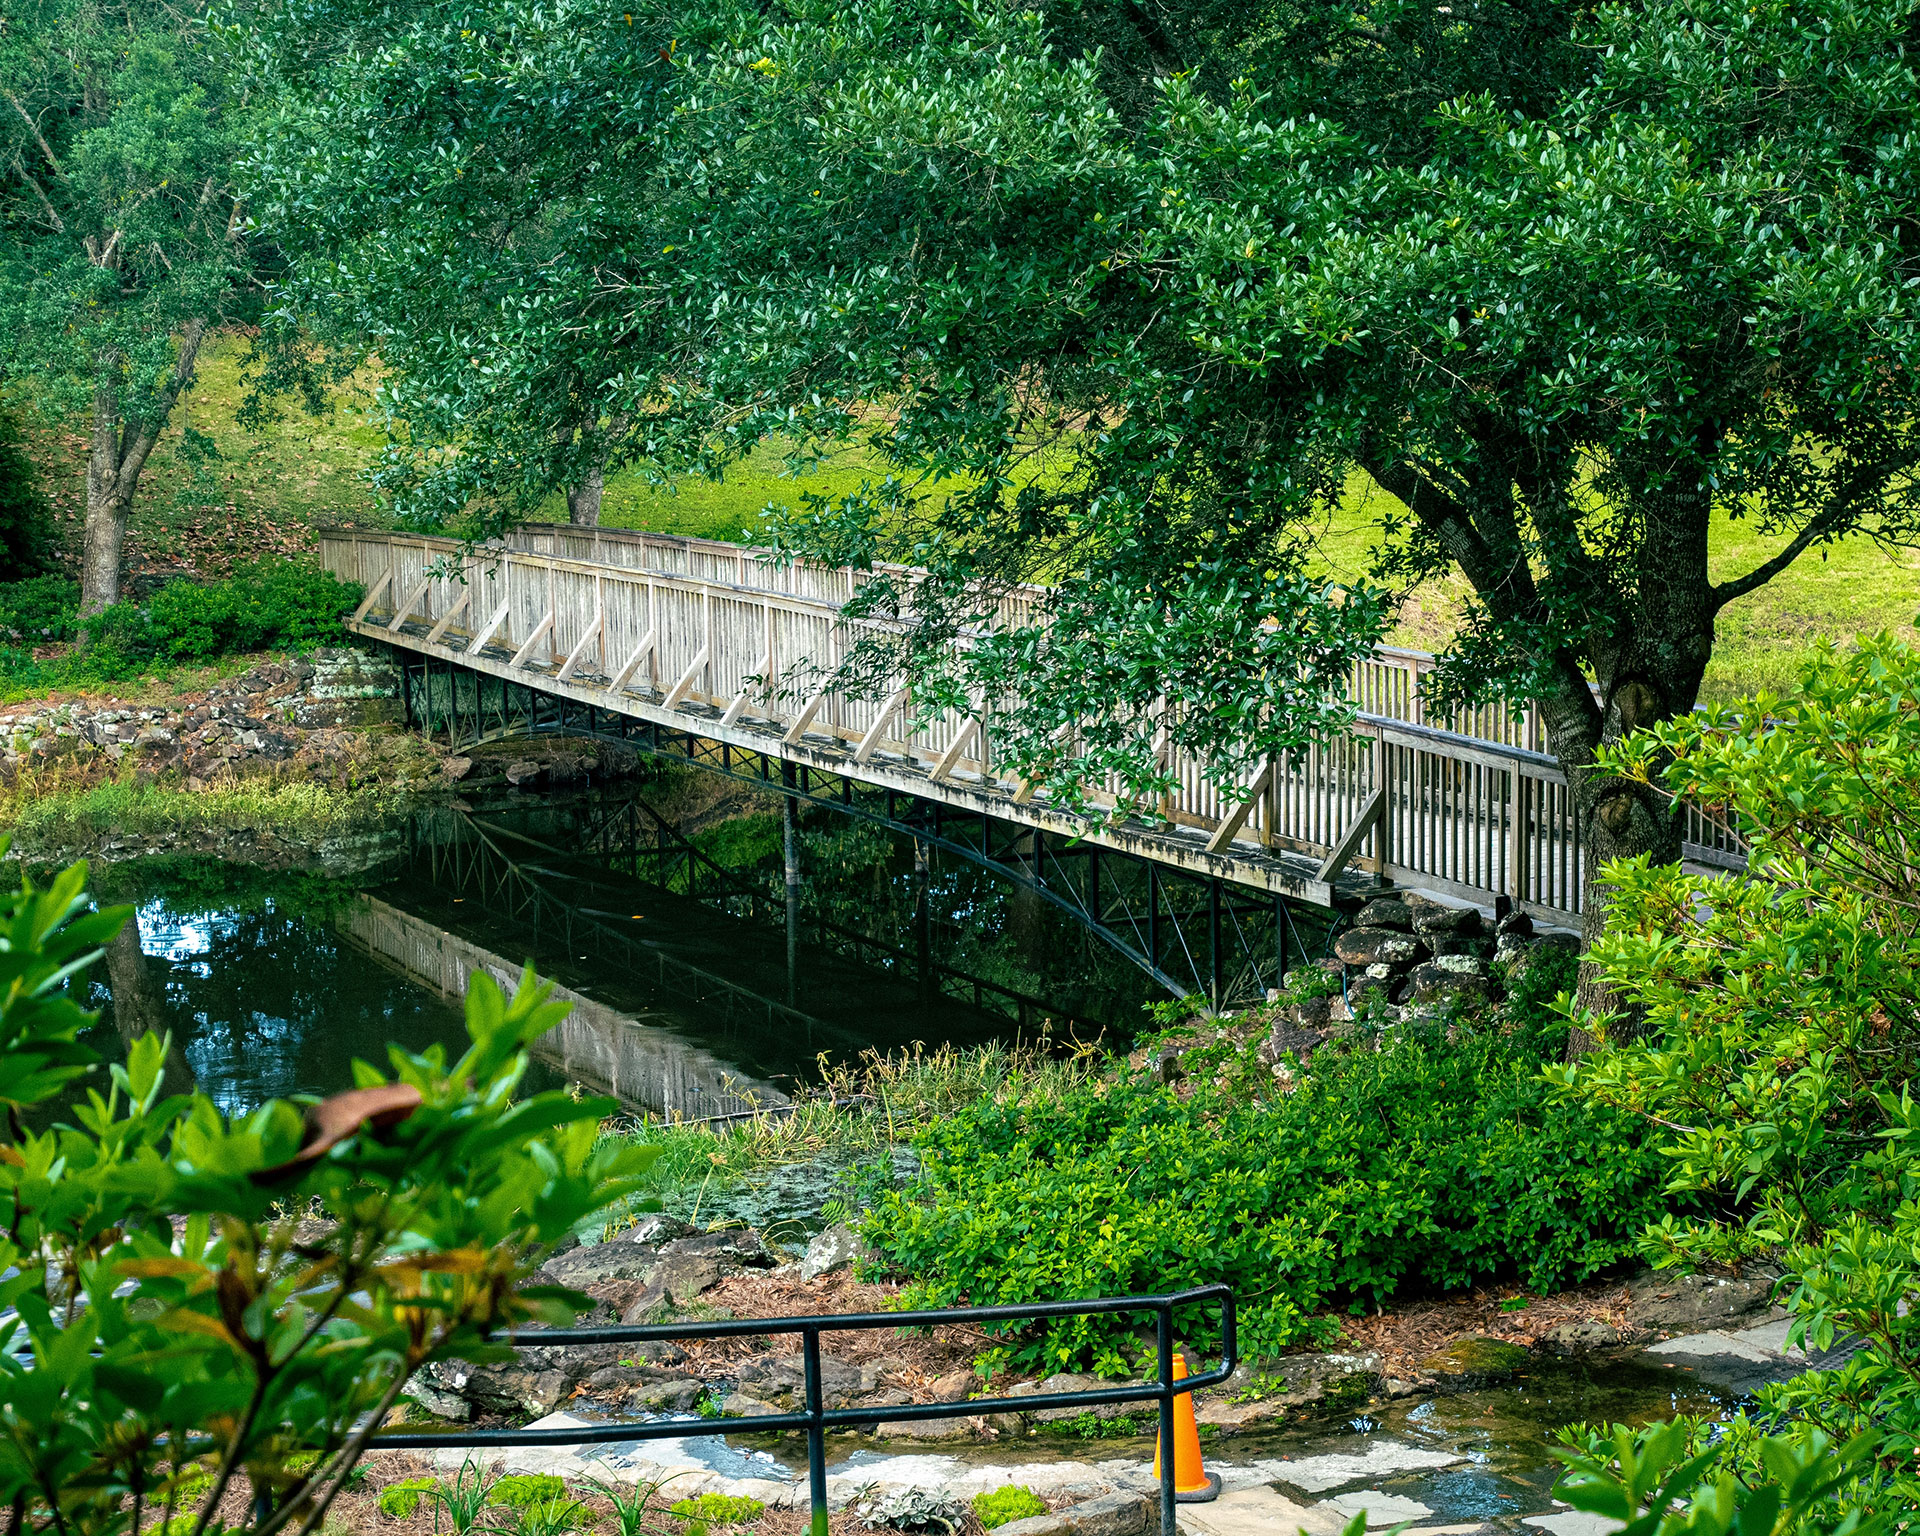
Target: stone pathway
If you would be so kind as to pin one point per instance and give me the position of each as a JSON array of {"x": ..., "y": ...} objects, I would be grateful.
[{"x": 1461, "y": 1481}]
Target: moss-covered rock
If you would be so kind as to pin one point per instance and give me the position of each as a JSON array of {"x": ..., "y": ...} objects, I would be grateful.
[{"x": 1475, "y": 1361}]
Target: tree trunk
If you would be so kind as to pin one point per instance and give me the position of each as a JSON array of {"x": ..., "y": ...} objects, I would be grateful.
[
  {"x": 138, "y": 1006},
  {"x": 583, "y": 500},
  {"x": 1650, "y": 672},
  {"x": 120, "y": 450},
  {"x": 107, "y": 507}
]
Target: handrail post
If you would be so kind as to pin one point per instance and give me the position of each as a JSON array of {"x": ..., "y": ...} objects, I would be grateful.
[
  {"x": 816, "y": 1434},
  {"x": 1167, "y": 1501}
]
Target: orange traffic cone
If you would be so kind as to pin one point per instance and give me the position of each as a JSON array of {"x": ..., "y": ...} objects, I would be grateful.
[{"x": 1192, "y": 1483}]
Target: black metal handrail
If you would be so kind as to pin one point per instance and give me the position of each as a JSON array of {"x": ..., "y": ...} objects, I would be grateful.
[{"x": 817, "y": 1419}]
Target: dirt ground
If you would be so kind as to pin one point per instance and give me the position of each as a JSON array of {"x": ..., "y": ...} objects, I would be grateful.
[{"x": 1413, "y": 1330}]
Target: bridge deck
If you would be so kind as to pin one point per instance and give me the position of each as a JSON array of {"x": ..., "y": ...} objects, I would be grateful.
[{"x": 688, "y": 633}]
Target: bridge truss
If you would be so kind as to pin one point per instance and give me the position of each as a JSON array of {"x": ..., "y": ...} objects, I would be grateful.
[{"x": 1194, "y": 934}]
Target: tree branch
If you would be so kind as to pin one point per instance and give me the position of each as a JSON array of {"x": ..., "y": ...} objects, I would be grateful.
[
  {"x": 1761, "y": 574},
  {"x": 1866, "y": 481},
  {"x": 34, "y": 129},
  {"x": 136, "y": 445},
  {"x": 59, "y": 224},
  {"x": 1441, "y": 515}
]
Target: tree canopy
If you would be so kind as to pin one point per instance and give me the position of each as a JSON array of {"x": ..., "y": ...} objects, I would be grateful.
[
  {"x": 125, "y": 241},
  {"x": 1128, "y": 319}
]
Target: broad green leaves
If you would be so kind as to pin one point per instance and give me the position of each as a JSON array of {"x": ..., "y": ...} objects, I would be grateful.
[
  {"x": 237, "y": 1295},
  {"x": 1776, "y": 1019}
]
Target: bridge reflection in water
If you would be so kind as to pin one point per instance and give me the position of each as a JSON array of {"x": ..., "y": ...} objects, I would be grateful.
[{"x": 697, "y": 993}]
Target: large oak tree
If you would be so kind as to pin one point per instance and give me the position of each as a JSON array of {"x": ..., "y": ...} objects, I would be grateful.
[{"x": 1567, "y": 339}]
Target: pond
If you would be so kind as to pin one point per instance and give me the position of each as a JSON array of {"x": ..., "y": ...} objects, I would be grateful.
[{"x": 697, "y": 991}]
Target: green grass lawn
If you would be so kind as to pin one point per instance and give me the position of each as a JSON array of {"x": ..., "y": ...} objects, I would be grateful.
[{"x": 265, "y": 492}]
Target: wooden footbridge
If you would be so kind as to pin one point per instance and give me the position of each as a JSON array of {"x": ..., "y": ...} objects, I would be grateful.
[{"x": 632, "y": 633}]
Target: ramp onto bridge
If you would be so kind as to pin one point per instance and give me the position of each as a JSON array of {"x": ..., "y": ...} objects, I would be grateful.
[{"x": 691, "y": 634}]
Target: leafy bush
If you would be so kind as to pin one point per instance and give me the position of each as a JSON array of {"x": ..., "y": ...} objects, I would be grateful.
[
  {"x": 1429, "y": 1161},
  {"x": 399, "y": 1500},
  {"x": 25, "y": 517},
  {"x": 523, "y": 1488},
  {"x": 39, "y": 610},
  {"x": 275, "y": 604},
  {"x": 1007, "y": 1504},
  {"x": 127, "y": 1335},
  {"x": 1779, "y": 1019}
]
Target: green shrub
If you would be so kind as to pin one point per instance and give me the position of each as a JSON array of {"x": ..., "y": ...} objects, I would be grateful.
[
  {"x": 1007, "y": 1504},
  {"x": 1430, "y": 1161},
  {"x": 718, "y": 1509},
  {"x": 526, "y": 1488},
  {"x": 25, "y": 517},
  {"x": 429, "y": 1209},
  {"x": 274, "y": 604},
  {"x": 39, "y": 610},
  {"x": 399, "y": 1500},
  {"x": 1775, "y": 1023}
]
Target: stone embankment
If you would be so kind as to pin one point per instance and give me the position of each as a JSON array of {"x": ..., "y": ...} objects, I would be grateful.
[
  {"x": 330, "y": 720},
  {"x": 662, "y": 1269},
  {"x": 1408, "y": 957},
  {"x": 308, "y": 715}
]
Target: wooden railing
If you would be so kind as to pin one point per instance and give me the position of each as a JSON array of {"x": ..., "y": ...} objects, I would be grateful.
[{"x": 1469, "y": 806}]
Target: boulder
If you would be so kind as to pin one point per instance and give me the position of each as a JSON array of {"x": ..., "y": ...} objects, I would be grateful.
[
  {"x": 1454, "y": 922},
  {"x": 960, "y": 1428},
  {"x": 1067, "y": 1381},
  {"x": 1473, "y": 1362},
  {"x": 1328, "y": 1383},
  {"x": 1663, "y": 1302},
  {"x": 642, "y": 1387},
  {"x": 673, "y": 1284},
  {"x": 741, "y": 1405},
  {"x": 1386, "y": 912},
  {"x": 1450, "y": 976},
  {"x": 954, "y": 1387},
  {"x": 783, "y": 1379},
  {"x": 837, "y": 1248},
  {"x": 1376, "y": 946},
  {"x": 1516, "y": 925},
  {"x": 741, "y": 1247},
  {"x": 534, "y": 1381},
  {"x": 616, "y": 1260},
  {"x": 1311, "y": 1013},
  {"x": 1580, "y": 1338},
  {"x": 1113, "y": 1514},
  {"x": 1287, "y": 1038}
]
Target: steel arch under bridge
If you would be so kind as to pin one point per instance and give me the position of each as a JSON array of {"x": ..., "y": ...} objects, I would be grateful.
[
  {"x": 678, "y": 646},
  {"x": 1195, "y": 934}
]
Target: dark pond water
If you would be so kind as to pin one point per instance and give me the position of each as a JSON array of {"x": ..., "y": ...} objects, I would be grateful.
[{"x": 696, "y": 991}]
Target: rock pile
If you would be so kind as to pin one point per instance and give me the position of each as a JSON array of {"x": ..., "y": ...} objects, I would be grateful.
[
  {"x": 329, "y": 718},
  {"x": 1407, "y": 956},
  {"x": 302, "y": 712}
]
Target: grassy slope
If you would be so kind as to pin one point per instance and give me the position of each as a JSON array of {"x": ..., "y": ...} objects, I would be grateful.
[{"x": 265, "y": 492}]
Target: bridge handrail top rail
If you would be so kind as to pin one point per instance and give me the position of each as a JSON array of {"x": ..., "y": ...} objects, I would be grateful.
[{"x": 494, "y": 549}]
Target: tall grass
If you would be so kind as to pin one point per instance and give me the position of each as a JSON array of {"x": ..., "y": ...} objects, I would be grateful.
[
  {"x": 860, "y": 1110},
  {"x": 42, "y": 808}
]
